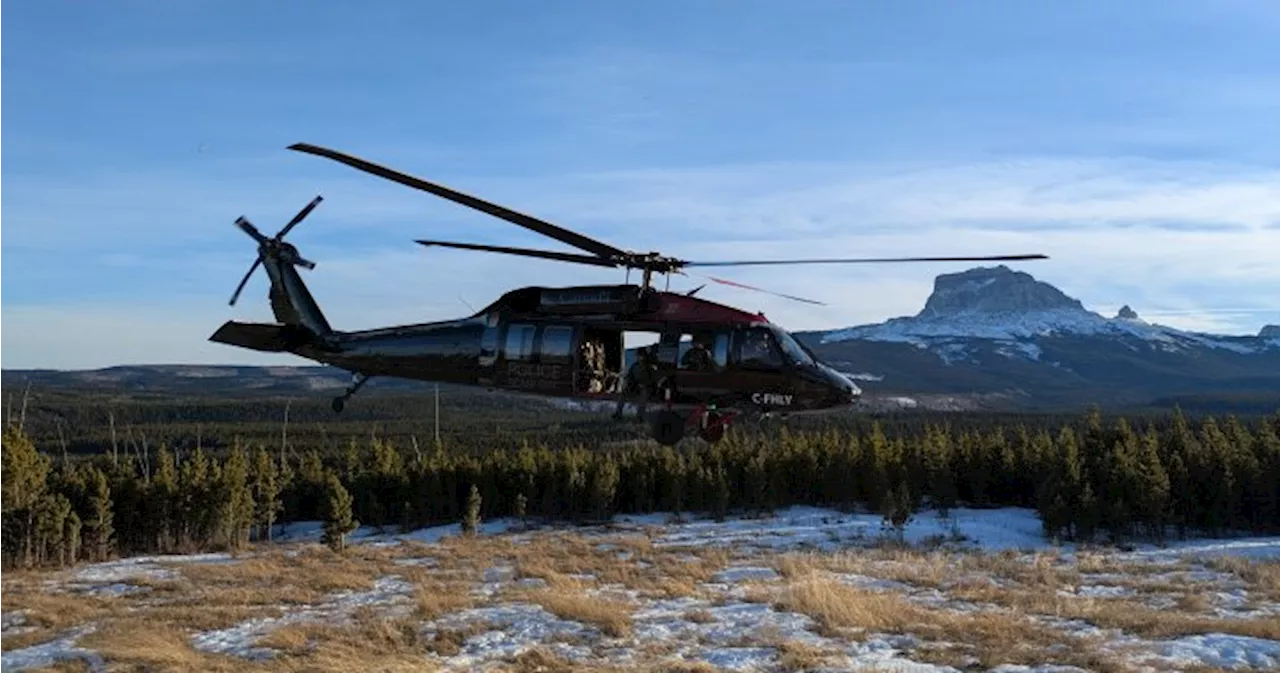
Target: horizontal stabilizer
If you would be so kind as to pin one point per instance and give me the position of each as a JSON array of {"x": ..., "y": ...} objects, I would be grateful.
[{"x": 266, "y": 337}]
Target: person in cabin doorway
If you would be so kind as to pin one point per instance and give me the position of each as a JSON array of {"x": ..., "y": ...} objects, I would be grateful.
[{"x": 638, "y": 382}]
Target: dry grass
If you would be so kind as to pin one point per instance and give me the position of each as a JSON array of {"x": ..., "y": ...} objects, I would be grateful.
[
  {"x": 434, "y": 599},
  {"x": 933, "y": 569},
  {"x": 584, "y": 577},
  {"x": 1129, "y": 615},
  {"x": 313, "y": 571},
  {"x": 372, "y": 643},
  {"x": 794, "y": 655},
  {"x": 153, "y": 646},
  {"x": 1262, "y": 576},
  {"x": 995, "y": 637},
  {"x": 57, "y": 611},
  {"x": 613, "y": 618}
]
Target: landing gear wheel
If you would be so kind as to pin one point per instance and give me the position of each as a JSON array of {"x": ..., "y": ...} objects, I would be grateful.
[
  {"x": 667, "y": 427},
  {"x": 338, "y": 404},
  {"x": 713, "y": 429}
]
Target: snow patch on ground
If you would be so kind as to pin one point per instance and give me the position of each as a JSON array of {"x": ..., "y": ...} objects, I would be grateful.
[
  {"x": 1218, "y": 649},
  {"x": 44, "y": 655},
  {"x": 719, "y": 626},
  {"x": 239, "y": 640}
]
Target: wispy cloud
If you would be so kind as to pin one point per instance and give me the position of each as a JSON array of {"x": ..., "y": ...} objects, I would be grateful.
[
  {"x": 1132, "y": 143},
  {"x": 1144, "y": 234}
]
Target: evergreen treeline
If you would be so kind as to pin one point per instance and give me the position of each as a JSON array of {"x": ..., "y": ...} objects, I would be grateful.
[{"x": 1087, "y": 477}]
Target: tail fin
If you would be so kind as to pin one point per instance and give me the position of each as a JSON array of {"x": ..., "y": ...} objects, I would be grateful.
[{"x": 291, "y": 301}]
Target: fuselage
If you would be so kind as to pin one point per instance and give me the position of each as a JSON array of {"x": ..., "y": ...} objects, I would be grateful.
[{"x": 572, "y": 342}]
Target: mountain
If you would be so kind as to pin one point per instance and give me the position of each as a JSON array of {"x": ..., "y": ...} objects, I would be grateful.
[
  {"x": 995, "y": 331},
  {"x": 230, "y": 380},
  {"x": 988, "y": 338}
]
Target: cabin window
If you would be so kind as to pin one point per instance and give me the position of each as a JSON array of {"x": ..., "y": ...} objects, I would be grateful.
[
  {"x": 520, "y": 341},
  {"x": 757, "y": 349},
  {"x": 557, "y": 345},
  {"x": 716, "y": 345}
]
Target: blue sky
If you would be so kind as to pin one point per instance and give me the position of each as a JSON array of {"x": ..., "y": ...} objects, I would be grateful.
[{"x": 1137, "y": 143}]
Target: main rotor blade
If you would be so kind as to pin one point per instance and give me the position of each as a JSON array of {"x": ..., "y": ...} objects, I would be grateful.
[
  {"x": 723, "y": 281},
  {"x": 869, "y": 260},
  {"x": 527, "y": 221},
  {"x": 526, "y": 252}
]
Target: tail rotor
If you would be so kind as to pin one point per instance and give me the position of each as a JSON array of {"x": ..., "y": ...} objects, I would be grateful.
[{"x": 274, "y": 247}]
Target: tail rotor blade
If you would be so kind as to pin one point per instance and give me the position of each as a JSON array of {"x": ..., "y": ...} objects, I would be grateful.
[
  {"x": 247, "y": 227},
  {"x": 302, "y": 214},
  {"x": 245, "y": 280}
]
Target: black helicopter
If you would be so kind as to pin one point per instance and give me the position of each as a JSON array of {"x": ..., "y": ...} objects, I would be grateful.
[{"x": 565, "y": 342}]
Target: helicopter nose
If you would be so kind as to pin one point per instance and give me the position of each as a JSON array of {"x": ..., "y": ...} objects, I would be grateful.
[{"x": 849, "y": 392}]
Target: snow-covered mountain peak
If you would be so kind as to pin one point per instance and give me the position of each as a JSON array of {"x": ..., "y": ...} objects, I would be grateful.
[
  {"x": 996, "y": 289},
  {"x": 999, "y": 304}
]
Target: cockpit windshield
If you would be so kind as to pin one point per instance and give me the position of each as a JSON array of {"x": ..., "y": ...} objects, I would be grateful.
[{"x": 793, "y": 350}]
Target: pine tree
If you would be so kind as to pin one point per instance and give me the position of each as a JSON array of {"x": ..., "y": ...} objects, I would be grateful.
[
  {"x": 100, "y": 524},
  {"x": 164, "y": 499},
  {"x": 71, "y": 537},
  {"x": 721, "y": 495},
  {"x": 51, "y": 517},
  {"x": 195, "y": 500},
  {"x": 604, "y": 485},
  {"x": 1152, "y": 485},
  {"x": 1267, "y": 449},
  {"x": 521, "y": 504},
  {"x": 236, "y": 506},
  {"x": 338, "y": 519},
  {"x": 471, "y": 519},
  {"x": 1057, "y": 485},
  {"x": 898, "y": 507},
  {"x": 266, "y": 492},
  {"x": 25, "y": 472},
  {"x": 1117, "y": 479},
  {"x": 1180, "y": 450},
  {"x": 1216, "y": 480}
]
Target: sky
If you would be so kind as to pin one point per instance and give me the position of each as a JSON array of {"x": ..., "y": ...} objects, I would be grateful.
[{"x": 1135, "y": 143}]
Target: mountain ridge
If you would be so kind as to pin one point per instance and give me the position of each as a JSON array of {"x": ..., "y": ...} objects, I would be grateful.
[
  {"x": 989, "y": 333},
  {"x": 995, "y": 330}
]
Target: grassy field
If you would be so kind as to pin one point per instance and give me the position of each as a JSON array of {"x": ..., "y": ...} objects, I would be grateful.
[{"x": 806, "y": 589}]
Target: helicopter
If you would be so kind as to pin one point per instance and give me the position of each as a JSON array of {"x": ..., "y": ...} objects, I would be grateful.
[{"x": 564, "y": 342}]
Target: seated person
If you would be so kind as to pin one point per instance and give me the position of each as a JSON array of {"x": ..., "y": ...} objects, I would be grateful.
[
  {"x": 698, "y": 358},
  {"x": 758, "y": 351}
]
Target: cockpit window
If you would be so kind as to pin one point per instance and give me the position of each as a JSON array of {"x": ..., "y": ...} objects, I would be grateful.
[
  {"x": 793, "y": 350},
  {"x": 756, "y": 350}
]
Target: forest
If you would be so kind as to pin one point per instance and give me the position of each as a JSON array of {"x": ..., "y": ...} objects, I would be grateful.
[{"x": 220, "y": 480}]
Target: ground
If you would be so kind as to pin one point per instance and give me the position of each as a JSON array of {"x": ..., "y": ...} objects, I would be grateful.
[{"x": 802, "y": 589}]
